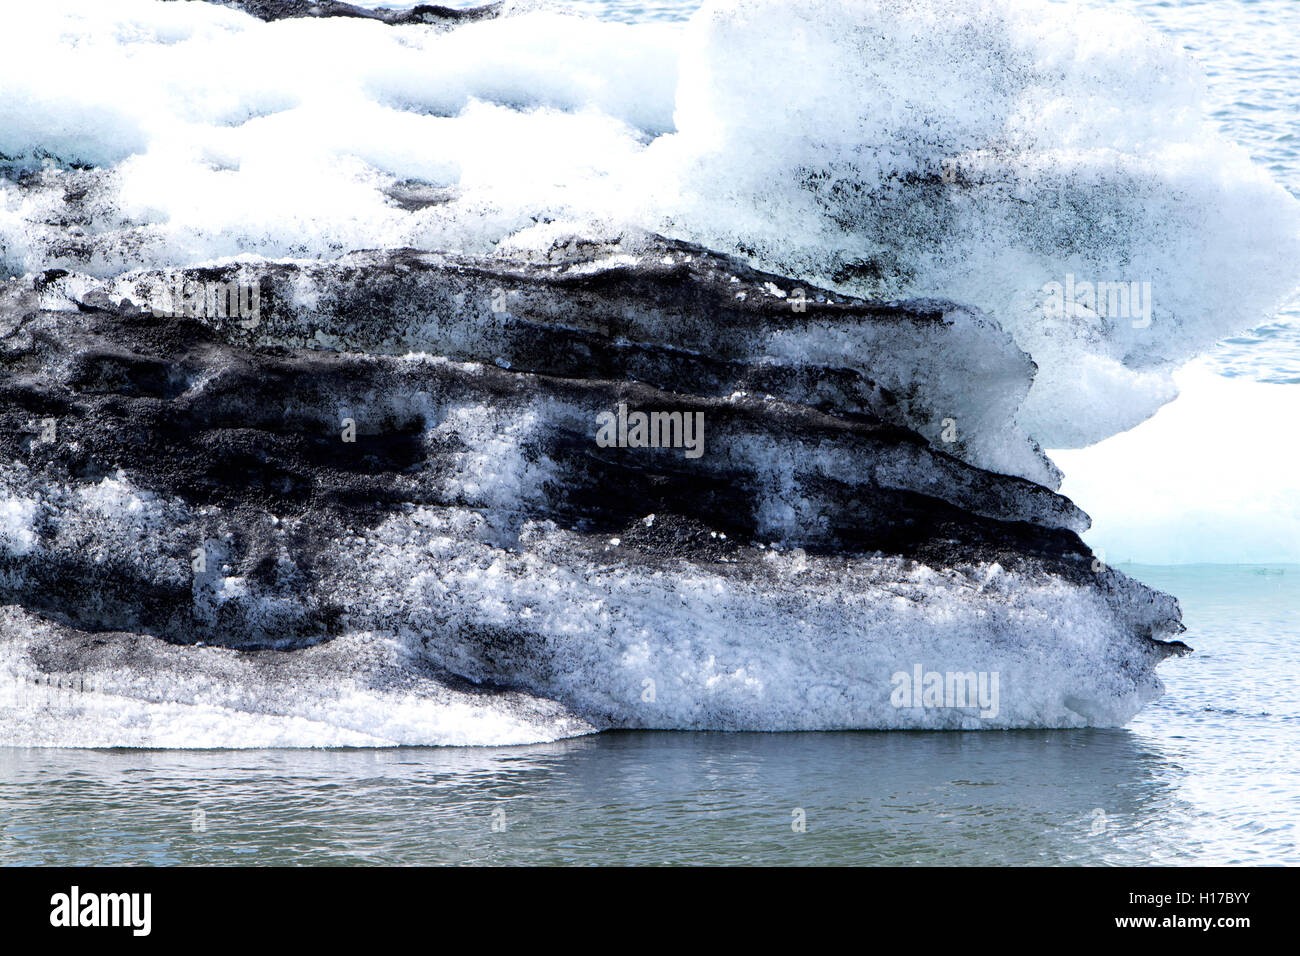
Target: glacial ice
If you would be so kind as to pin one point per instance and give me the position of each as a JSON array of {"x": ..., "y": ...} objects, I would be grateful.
[
  {"x": 830, "y": 227},
  {"x": 476, "y": 534},
  {"x": 981, "y": 151},
  {"x": 763, "y": 334}
]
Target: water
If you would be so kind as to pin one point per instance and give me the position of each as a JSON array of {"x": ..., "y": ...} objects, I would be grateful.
[{"x": 1208, "y": 774}]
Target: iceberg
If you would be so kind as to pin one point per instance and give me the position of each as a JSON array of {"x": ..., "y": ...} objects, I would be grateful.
[
  {"x": 388, "y": 485},
  {"x": 435, "y": 377}
]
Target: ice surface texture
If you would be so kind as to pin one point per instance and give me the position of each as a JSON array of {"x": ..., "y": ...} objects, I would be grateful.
[{"x": 477, "y": 549}]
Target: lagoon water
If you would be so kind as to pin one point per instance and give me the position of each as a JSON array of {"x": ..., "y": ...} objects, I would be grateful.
[{"x": 1208, "y": 774}]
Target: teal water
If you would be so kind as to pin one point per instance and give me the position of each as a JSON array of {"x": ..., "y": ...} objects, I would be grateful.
[{"x": 1209, "y": 774}]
